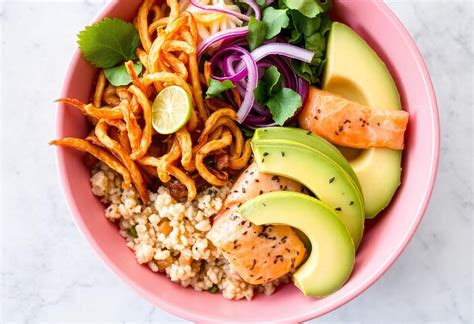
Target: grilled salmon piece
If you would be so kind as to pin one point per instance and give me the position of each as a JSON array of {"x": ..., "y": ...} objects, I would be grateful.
[
  {"x": 251, "y": 183},
  {"x": 348, "y": 123},
  {"x": 259, "y": 254}
]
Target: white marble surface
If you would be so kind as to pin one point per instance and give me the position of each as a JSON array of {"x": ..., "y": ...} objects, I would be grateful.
[{"x": 49, "y": 272}]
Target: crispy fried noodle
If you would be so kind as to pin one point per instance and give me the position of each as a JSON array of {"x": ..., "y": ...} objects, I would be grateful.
[{"x": 123, "y": 136}]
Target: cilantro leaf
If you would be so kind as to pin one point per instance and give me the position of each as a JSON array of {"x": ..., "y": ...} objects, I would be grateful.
[
  {"x": 296, "y": 37},
  {"x": 282, "y": 102},
  {"x": 261, "y": 3},
  {"x": 306, "y": 71},
  {"x": 248, "y": 132},
  {"x": 275, "y": 20},
  {"x": 309, "y": 8},
  {"x": 325, "y": 4},
  {"x": 260, "y": 92},
  {"x": 316, "y": 43},
  {"x": 305, "y": 25},
  {"x": 217, "y": 87},
  {"x": 268, "y": 85},
  {"x": 283, "y": 105},
  {"x": 273, "y": 78},
  {"x": 257, "y": 32},
  {"x": 326, "y": 24},
  {"x": 108, "y": 42},
  {"x": 118, "y": 76}
]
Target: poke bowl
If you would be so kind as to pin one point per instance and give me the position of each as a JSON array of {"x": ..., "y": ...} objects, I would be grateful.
[{"x": 385, "y": 236}]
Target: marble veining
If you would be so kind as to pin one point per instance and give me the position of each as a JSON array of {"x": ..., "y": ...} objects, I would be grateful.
[{"x": 41, "y": 248}]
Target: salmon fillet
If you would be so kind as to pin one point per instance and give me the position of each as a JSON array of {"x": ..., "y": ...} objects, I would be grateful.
[
  {"x": 348, "y": 123},
  {"x": 259, "y": 254},
  {"x": 251, "y": 183}
]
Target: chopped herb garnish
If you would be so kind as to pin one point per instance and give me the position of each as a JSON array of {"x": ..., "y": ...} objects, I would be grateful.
[
  {"x": 213, "y": 289},
  {"x": 265, "y": 153},
  {"x": 351, "y": 203},
  {"x": 338, "y": 208},
  {"x": 132, "y": 232},
  {"x": 308, "y": 133},
  {"x": 282, "y": 154},
  {"x": 332, "y": 179}
]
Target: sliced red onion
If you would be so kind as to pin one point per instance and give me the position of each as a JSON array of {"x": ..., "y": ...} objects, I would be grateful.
[
  {"x": 221, "y": 36},
  {"x": 262, "y": 110},
  {"x": 256, "y": 9},
  {"x": 226, "y": 65},
  {"x": 254, "y": 122},
  {"x": 289, "y": 77},
  {"x": 281, "y": 49},
  {"x": 220, "y": 10},
  {"x": 260, "y": 125},
  {"x": 232, "y": 62},
  {"x": 254, "y": 119},
  {"x": 252, "y": 79},
  {"x": 287, "y": 50},
  {"x": 302, "y": 88}
]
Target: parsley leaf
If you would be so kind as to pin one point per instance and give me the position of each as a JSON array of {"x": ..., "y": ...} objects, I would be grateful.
[
  {"x": 118, "y": 75},
  {"x": 283, "y": 105},
  {"x": 108, "y": 42},
  {"x": 275, "y": 20},
  {"x": 217, "y": 87},
  {"x": 257, "y": 33}
]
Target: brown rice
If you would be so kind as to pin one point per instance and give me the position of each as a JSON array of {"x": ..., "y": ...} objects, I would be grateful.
[{"x": 170, "y": 237}]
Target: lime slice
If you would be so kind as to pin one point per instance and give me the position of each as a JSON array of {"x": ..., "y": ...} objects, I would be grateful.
[{"x": 171, "y": 110}]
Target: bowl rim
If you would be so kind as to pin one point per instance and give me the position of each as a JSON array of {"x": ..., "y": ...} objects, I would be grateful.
[{"x": 356, "y": 291}]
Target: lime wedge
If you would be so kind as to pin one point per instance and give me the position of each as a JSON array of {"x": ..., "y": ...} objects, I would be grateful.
[{"x": 171, "y": 110}]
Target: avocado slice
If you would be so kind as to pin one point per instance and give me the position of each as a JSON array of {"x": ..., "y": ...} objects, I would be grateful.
[
  {"x": 364, "y": 78},
  {"x": 322, "y": 176},
  {"x": 307, "y": 138},
  {"x": 332, "y": 257}
]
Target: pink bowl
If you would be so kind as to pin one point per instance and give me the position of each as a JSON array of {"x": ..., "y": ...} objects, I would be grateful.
[{"x": 384, "y": 240}]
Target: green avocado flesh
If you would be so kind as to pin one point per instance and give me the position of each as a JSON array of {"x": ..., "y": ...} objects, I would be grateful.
[
  {"x": 332, "y": 256},
  {"x": 354, "y": 71},
  {"x": 304, "y": 137},
  {"x": 322, "y": 176}
]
